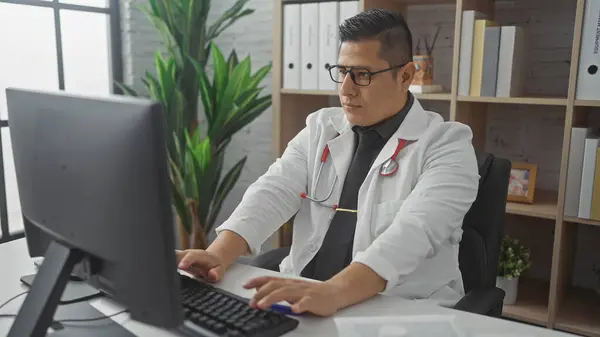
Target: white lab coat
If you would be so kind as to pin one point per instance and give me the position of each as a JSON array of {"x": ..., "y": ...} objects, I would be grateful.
[{"x": 408, "y": 225}]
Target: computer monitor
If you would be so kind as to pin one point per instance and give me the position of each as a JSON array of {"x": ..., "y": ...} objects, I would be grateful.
[{"x": 94, "y": 188}]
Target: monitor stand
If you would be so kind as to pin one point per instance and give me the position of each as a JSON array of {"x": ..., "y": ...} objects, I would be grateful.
[{"x": 39, "y": 307}]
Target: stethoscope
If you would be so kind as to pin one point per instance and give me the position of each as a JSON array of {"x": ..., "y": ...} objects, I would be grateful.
[{"x": 388, "y": 168}]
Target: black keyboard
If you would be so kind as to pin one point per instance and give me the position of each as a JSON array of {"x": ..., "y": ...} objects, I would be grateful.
[{"x": 226, "y": 314}]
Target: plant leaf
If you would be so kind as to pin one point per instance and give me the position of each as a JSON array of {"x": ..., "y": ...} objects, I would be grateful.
[
  {"x": 220, "y": 73},
  {"x": 232, "y": 61},
  {"x": 127, "y": 90},
  {"x": 259, "y": 76},
  {"x": 224, "y": 188},
  {"x": 179, "y": 199},
  {"x": 167, "y": 37},
  {"x": 246, "y": 118},
  {"x": 213, "y": 31},
  {"x": 233, "y": 20}
]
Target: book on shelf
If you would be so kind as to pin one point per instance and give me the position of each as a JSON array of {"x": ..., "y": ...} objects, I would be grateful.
[
  {"x": 511, "y": 74},
  {"x": 477, "y": 57},
  {"x": 489, "y": 68},
  {"x": 582, "y": 198},
  {"x": 491, "y": 58},
  {"x": 466, "y": 50}
]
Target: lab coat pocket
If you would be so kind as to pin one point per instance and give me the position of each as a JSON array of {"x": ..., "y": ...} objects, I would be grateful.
[{"x": 383, "y": 215}]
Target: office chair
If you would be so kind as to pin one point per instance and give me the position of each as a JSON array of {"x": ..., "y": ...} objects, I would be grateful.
[{"x": 483, "y": 228}]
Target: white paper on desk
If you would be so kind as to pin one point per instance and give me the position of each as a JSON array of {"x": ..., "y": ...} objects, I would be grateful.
[{"x": 398, "y": 326}]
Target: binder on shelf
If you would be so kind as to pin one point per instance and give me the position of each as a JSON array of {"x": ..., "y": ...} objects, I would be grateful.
[
  {"x": 328, "y": 42},
  {"x": 489, "y": 68},
  {"x": 309, "y": 45},
  {"x": 466, "y": 50},
  {"x": 348, "y": 8},
  {"x": 291, "y": 45},
  {"x": 477, "y": 59},
  {"x": 510, "y": 62},
  {"x": 587, "y": 176},
  {"x": 595, "y": 205},
  {"x": 588, "y": 74},
  {"x": 574, "y": 170}
]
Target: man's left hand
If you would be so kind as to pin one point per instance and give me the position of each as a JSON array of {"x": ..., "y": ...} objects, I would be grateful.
[{"x": 319, "y": 298}]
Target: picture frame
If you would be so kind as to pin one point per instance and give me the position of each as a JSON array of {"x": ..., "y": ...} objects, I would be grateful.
[{"x": 521, "y": 186}]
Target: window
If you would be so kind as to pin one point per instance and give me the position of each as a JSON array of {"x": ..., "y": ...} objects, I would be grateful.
[
  {"x": 29, "y": 49},
  {"x": 84, "y": 58},
  {"x": 93, "y": 3}
]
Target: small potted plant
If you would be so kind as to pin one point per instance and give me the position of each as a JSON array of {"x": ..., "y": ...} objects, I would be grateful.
[{"x": 514, "y": 260}]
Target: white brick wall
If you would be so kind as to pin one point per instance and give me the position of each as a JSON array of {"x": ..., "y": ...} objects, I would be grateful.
[{"x": 524, "y": 133}]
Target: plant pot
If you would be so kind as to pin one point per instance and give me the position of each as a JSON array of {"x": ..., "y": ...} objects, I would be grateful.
[{"x": 510, "y": 287}]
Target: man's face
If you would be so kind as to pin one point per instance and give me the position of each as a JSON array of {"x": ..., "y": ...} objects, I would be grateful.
[{"x": 383, "y": 97}]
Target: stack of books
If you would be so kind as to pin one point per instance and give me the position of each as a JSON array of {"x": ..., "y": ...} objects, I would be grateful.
[{"x": 491, "y": 58}]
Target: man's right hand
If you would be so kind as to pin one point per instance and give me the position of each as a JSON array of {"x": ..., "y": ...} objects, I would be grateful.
[{"x": 201, "y": 263}]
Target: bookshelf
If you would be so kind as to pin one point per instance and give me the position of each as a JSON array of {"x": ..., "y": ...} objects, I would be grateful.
[{"x": 552, "y": 302}]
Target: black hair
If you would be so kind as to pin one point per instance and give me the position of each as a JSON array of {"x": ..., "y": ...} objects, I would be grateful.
[{"x": 388, "y": 27}]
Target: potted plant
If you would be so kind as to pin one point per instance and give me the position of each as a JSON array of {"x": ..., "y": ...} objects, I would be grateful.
[
  {"x": 514, "y": 260},
  {"x": 230, "y": 101}
]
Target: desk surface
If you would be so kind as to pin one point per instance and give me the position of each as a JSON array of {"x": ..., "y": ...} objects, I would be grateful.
[{"x": 15, "y": 262}]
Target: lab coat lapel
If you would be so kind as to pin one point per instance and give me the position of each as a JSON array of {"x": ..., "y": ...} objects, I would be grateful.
[
  {"x": 341, "y": 146},
  {"x": 412, "y": 127}
]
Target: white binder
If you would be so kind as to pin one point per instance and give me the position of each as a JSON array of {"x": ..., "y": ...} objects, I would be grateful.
[
  {"x": 309, "y": 45},
  {"x": 588, "y": 75},
  {"x": 348, "y": 9},
  {"x": 328, "y": 42},
  {"x": 291, "y": 46}
]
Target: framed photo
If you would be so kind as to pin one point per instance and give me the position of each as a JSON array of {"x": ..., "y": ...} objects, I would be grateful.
[{"x": 521, "y": 186}]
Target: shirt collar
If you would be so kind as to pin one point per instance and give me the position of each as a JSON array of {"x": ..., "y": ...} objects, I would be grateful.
[{"x": 387, "y": 127}]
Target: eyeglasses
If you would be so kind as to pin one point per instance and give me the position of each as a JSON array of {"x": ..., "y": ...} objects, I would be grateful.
[{"x": 360, "y": 76}]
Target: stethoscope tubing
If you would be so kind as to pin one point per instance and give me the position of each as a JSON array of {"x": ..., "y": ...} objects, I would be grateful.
[{"x": 401, "y": 145}]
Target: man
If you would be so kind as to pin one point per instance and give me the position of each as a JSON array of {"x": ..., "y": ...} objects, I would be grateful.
[{"x": 383, "y": 212}]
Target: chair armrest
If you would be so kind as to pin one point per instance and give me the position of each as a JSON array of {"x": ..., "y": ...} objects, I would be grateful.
[
  {"x": 270, "y": 260},
  {"x": 486, "y": 301}
]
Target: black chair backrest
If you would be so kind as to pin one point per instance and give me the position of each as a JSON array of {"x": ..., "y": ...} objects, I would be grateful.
[{"x": 483, "y": 226}]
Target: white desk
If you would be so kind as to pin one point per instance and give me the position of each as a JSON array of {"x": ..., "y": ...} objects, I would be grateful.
[{"x": 15, "y": 262}]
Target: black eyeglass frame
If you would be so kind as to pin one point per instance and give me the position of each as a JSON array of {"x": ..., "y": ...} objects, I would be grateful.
[{"x": 352, "y": 75}]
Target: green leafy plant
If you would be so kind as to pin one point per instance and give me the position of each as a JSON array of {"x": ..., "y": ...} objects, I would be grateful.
[
  {"x": 230, "y": 101},
  {"x": 514, "y": 258}
]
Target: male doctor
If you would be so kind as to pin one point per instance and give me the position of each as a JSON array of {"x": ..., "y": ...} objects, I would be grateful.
[{"x": 379, "y": 189}]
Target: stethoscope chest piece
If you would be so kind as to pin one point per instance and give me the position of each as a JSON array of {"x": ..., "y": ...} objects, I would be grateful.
[{"x": 389, "y": 167}]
